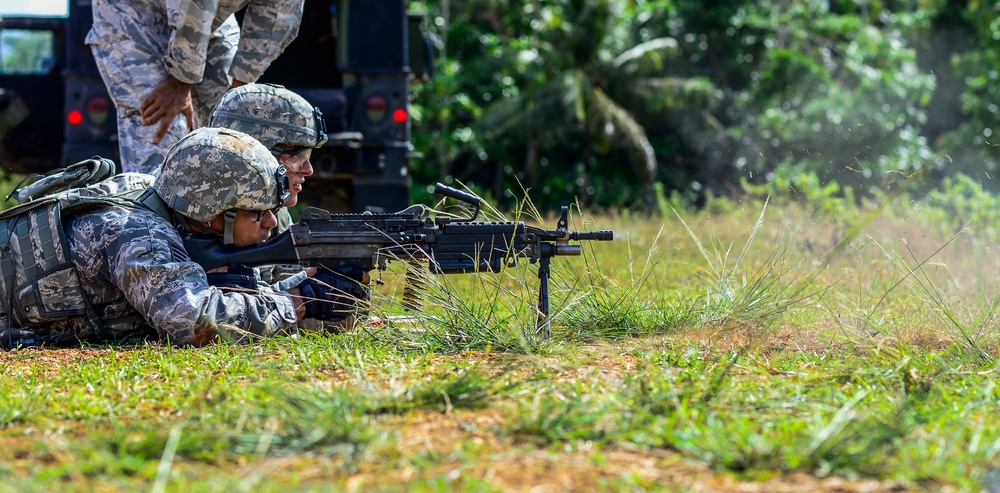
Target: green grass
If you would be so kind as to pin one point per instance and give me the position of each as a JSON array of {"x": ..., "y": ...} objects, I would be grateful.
[{"x": 695, "y": 352}]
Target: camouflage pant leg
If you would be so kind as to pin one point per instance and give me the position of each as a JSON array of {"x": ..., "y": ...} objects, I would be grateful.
[
  {"x": 130, "y": 73},
  {"x": 135, "y": 141},
  {"x": 222, "y": 48}
]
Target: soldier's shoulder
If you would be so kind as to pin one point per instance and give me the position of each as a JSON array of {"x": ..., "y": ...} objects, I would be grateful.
[{"x": 120, "y": 218}]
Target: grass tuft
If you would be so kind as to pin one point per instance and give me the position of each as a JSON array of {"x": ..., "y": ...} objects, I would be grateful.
[{"x": 462, "y": 389}]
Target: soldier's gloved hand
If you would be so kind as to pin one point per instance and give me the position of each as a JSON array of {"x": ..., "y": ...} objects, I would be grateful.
[
  {"x": 323, "y": 302},
  {"x": 349, "y": 280},
  {"x": 237, "y": 277}
]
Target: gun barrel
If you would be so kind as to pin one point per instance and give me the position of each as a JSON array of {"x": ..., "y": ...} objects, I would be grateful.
[
  {"x": 561, "y": 250},
  {"x": 603, "y": 235}
]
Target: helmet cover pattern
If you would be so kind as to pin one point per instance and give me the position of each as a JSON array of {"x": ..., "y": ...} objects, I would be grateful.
[
  {"x": 271, "y": 114},
  {"x": 212, "y": 170}
]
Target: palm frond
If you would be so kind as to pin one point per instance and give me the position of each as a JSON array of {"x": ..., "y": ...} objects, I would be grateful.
[
  {"x": 528, "y": 113},
  {"x": 622, "y": 125},
  {"x": 649, "y": 55},
  {"x": 670, "y": 93},
  {"x": 576, "y": 86}
]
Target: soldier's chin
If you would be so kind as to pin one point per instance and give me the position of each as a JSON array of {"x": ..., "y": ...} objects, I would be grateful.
[{"x": 293, "y": 199}]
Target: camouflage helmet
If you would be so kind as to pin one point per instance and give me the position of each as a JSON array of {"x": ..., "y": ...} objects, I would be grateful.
[
  {"x": 271, "y": 114},
  {"x": 212, "y": 171}
]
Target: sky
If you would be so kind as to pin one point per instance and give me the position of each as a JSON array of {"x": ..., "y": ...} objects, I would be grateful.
[{"x": 33, "y": 7}]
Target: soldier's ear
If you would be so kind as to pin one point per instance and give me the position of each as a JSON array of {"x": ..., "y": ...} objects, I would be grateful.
[
  {"x": 215, "y": 224},
  {"x": 203, "y": 225}
]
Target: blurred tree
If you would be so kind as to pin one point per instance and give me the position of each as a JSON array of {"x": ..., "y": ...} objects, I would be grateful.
[
  {"x": 598, "y": 98},
  {"x": 472, "y": 70},
  {"x": 973, "y": 141},
  {"x": 837, "y": 92},
  {"x": 948, "y": 37},
  {"x": 589, "y": 75}
]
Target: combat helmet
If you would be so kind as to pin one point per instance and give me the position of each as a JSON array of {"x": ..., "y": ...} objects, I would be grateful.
[
  {"x": 212, "y": 171},
  {"x": 271, "y": 114}
]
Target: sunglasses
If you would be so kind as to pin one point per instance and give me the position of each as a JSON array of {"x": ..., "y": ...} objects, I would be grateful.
[
  {"x": 293, "y": 151},
  {"x": 260, "y": 214}
]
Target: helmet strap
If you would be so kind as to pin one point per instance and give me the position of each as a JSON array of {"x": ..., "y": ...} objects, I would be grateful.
[
  {"x": 313, "y": 134},
  {"x": 227, "y": 233},
  {"x": 186, "y": 225}
]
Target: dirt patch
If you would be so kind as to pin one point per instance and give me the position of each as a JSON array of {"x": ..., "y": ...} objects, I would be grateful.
[
  {"x": 468, "y": 448},
  {"x": 46, "y": 362}
]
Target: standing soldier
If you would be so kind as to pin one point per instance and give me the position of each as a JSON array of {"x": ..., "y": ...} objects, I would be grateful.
[{"x": 167, "y": 63}]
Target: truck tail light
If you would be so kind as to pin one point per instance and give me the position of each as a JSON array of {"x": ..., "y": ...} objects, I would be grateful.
[
  {"x": 375, "y": 108},
  {"x": 74, "y": 117},
  {"x": 399, "y": 116},
  {"x": 97, "y": 110}
]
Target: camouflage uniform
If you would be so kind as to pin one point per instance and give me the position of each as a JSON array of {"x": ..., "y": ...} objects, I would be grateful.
[
  {"x": 132, "y": 264},
  {"x": 118, "y": 184},
  {"x": 139, "y": 43},
  {"x": 150, "y": 283}
]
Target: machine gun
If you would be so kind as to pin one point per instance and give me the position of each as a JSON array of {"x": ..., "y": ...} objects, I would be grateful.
[{"x": 450, "y": 245}]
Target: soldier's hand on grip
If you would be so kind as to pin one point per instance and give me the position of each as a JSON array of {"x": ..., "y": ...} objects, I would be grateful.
[
  {"x": 332, "y": 296},
  {"x": 237, "y": 277}
]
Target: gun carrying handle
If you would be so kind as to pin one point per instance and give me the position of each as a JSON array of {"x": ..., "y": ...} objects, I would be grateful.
[{"x": 459, "y": 195}]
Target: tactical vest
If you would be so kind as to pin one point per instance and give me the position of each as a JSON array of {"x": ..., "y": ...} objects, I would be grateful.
[{"x": 38, "y": 282}]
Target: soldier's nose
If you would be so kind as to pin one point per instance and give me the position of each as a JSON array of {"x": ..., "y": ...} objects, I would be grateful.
[{"x": 269, "y": 220}]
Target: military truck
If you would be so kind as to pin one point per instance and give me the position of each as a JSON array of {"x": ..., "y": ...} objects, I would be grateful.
[{"x": 353, "y": 59}]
